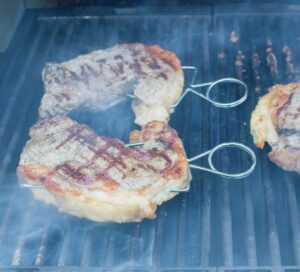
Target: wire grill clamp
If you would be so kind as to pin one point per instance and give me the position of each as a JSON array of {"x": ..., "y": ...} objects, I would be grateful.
[
  {"x": 210, "y": 86},
  {"x": 212, "y": 169}
]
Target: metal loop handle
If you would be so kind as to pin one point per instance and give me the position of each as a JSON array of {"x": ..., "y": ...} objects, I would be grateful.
[
  {"x": 210, "y": 86},
  {"x": 212, "y": 168},
  {"x": 195, "y": 73}
]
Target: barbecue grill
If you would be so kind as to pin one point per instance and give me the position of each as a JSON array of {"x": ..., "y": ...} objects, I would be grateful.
[{"x": 220, "y": 224}]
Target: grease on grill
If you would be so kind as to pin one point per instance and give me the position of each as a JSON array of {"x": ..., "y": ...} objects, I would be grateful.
[
  {"x": 290, "y": 71},
  {"x": 222, "y": 63},
  {"x": 233, "y": 37},
  {"x": 239, "y": 64},
  {"x": 256, "y": 65},
  {"x": 272, "y": 60}
]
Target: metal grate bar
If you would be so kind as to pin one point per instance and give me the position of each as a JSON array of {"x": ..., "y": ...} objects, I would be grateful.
[
  {"x": 24, "y": 230},
  {"x": 184, "y": 117},
  {"x": 250, "y": 229},
  {"x": 65, "y": 245},
  {"x": 205, "y": 203},
  {"x": 249, "y": 225},
  {"x": 223, "y": 136},
  {"x": 273, "y": 234},
  {"x": 42, "y": 248},
  {"x": 292, "y": 204}
]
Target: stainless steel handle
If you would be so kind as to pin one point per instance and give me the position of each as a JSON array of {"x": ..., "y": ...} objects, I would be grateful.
[
  {"x": 210, "y": 85},
  {"x": 212, "y": 168}
]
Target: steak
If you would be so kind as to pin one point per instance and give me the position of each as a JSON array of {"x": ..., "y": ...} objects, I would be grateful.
[
  {"x": 99, "y": 178},
  {"x": 103, "y": 78},
  {"x": 276, "y": 120}
]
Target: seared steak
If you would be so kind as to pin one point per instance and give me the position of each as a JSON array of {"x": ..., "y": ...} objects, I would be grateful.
[
  {"x": 102, "y": 78},
  {"x": 99, "y": 178},
  {"x": 276, "y": 120}
]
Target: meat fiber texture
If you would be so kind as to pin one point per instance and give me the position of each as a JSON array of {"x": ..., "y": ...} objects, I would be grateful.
[
  {"x": 99, "y": 178},
  {"x": 103, "y": 78},
  {"x": 276, "y": 120}
]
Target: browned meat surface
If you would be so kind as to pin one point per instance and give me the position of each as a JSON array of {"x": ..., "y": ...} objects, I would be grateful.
[
  {"x": 102, "y": 78},
  {"x": 276, "y": 120},
  {"x": 99, "y": 178}
]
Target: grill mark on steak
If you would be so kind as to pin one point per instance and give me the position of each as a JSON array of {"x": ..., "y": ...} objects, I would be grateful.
[
  {"x": 153, "y": 64},
  {"x": 285, "y": 105},
  {"x": 114, "y": 163},
  {"x": 136, "y": 67},
  {"x": 113, "y": 142},
  {"x": 74, "y": 75},
  {"x": 91, "y": 69},
  {"x": 52, "y": 186},
  {"x": 111, "y": 184},
  {"x": 102, "y": 152},
  {"x": 66, "y": 96},
  {"x": 173, "y": 171},
  {"x": 75, "y": 132},
  {"x": 150, "y": 167},
  {"x": 117, "y": 161},
  {"x": 75, "y": 174},
  {"x": 101, "y": 60},
  {"x": 87, "y": 70},
  {"x": 166, "y": 158},
  {"x": 149, "y": 155},
  {"x": 288, "y": 114},
  {"x": 83, "y": 72},
  {"x": 168, "y": 63},
  {"x": 56, "y": 80},
  {"x": 57, "y": 97},
  {"x": 134, "y": 52},
  {"x": 162, "y": 75},
  {"x": 288, "y": 131},
  {"x": 119, "y": 69},
  {"x": 118, "y": 57},
  {"x": 112, "y": 160}
]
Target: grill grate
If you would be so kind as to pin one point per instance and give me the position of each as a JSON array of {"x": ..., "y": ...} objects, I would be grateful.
[{"x": 219, "y": 225}]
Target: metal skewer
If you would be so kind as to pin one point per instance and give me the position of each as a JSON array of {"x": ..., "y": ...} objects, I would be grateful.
[
  {"x": 32, "y": 186},
  {"x": 211, "y": 169}
]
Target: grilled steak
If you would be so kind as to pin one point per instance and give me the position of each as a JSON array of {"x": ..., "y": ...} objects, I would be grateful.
[
  {"x": 102, "y": 78},
  {"x": 98, "y": 177},
  {"x": 276, "y": 120}
]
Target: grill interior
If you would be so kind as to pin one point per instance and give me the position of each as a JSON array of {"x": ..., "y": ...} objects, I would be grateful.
[{"x": 219, "y": 225}]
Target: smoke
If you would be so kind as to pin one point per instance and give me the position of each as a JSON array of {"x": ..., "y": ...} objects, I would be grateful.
[{"x": 33, "y": 233}]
